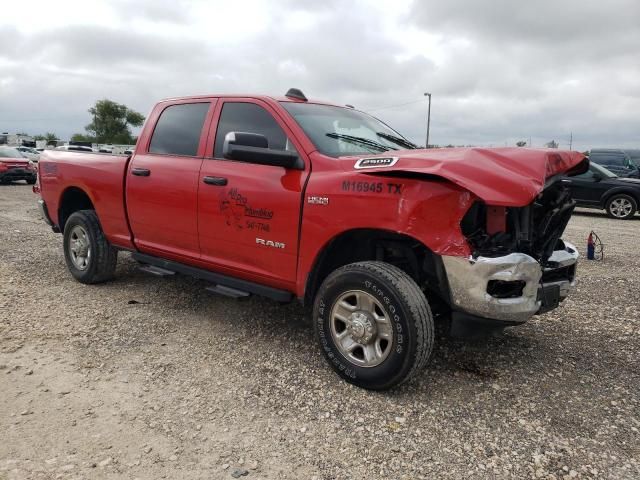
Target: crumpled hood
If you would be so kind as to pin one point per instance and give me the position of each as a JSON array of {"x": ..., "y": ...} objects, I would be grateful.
[{"x": 499, "y": 176}]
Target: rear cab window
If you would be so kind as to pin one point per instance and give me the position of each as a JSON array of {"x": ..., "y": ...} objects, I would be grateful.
[{"x": 179, "y": 129}]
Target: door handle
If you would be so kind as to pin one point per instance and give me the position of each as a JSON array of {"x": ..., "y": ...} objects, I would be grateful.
[
  {"x": 217, "y": 181},
  {"x": 141, "y": 172}
]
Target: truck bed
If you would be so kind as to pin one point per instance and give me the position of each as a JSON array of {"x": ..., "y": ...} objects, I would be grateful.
[{"x": 100, "y": 175}]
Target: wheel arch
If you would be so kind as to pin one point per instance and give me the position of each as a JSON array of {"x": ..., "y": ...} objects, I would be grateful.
[
  {"x": 620, "y": 191},
  {"x": 361, "y": 244},
  {"x": 73, "y": 199}
]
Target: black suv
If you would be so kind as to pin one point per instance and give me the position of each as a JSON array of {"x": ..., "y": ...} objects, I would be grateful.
[
  {"x": 622, "y": 162},
  {"x": 599, "y": 188}
]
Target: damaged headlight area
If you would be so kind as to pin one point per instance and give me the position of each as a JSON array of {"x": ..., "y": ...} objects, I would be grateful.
[
  {"x": 535, "y": 229},
  {"x": 519, "y": 266}
]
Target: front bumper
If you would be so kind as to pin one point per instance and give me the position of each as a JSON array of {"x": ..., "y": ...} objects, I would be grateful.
[{"x": 511, "y": 288}]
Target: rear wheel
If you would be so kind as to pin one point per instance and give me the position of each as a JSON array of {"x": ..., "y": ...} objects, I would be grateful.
[
  {"x": 31, "y": 181},
  {"x": 374, "y": 324},
  {"x": 621, "y": 206},
  {"x": 89, "y": 256}
]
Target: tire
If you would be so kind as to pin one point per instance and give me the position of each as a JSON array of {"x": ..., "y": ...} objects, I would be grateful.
[
  {"x": 31, "y": 181},
  {"x": 84, "y": 239},
  {"x": 397, "y": 349},
  {"x": 621, "y": 206}
]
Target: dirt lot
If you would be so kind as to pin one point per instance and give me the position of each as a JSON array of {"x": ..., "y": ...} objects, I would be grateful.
[{"x": 155, "y": 378}]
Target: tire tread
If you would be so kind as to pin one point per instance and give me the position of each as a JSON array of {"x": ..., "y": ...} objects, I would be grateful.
[
  {"x": 415, "y": 299},
  {"x": 106, "y": 257}
]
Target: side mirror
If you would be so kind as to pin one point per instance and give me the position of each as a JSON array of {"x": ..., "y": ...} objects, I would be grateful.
[
  {"x": 597, "y": 177},
  {"x": 254, "y": 148}
]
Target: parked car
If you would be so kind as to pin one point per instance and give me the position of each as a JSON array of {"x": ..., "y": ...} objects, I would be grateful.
[
  {"x": 14, "y": 166},
  {"x": 289, "y": 198},
  {"x": 601, "y": 189},
  {"x": 622, "y": 162},
  {"x": 29, "y": 152}
]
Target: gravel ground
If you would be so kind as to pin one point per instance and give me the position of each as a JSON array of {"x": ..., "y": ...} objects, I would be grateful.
[{"x": 157, "y": 378}]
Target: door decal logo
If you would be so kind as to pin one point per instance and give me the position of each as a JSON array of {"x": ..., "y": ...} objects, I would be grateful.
[{"x": 236, "y": 208}]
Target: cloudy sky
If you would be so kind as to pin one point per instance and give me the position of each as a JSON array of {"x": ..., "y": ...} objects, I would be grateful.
[{"x": 499, "y": 70}]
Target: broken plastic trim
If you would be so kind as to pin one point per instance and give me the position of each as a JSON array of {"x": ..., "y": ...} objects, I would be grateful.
[{"x": 534, "y": 229}]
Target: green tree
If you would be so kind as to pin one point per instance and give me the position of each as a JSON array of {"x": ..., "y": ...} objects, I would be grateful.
[
  {"x": 521, "y": 143},
  {"x": 51, "y": 138},
  {"x": 551, "y": 144},
  {"x": 81, "y": 137},
  {"x": 111, "y": 122}
]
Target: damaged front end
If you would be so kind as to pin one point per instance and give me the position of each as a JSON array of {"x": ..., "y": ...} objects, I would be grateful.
[{"x": 519, "y": 264}]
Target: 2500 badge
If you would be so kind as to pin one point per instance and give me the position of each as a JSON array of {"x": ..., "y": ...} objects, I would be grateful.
[{"x": 372, "y": 187}]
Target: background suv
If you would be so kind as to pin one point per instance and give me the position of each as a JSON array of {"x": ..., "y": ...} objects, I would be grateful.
[
  {"x": 599, "y": 188},
  {"x": 622, "y": 162}
]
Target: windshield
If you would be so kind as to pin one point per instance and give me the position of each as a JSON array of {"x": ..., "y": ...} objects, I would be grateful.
[
  {"x": 338, "y": 131},
  {"x": 602, "y": 171},
  {"x": 7, "y": 152}
]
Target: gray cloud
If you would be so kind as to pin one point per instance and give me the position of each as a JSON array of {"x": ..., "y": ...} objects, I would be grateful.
[{"x": 498, "y": 74}]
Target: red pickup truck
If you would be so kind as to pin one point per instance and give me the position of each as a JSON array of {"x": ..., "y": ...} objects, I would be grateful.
[{"x": 290, "y": 198}]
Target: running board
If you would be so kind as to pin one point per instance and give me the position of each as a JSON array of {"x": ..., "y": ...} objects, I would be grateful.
[
  {"x": 227, "y": 291},
  {"x": 157, "y": 271},
  {"x": 233, "y": 283}
]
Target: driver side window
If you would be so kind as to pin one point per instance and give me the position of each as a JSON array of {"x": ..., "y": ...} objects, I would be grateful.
[{"x": 249, "y": 118}]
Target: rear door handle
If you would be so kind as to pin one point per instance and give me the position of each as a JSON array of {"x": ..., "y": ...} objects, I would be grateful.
[
  {"x": 141, "y": 172},
  {"x": 217, "y": 181}
]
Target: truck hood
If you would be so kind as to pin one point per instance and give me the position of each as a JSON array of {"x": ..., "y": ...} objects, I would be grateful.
[{"x": 510, "y": 177}]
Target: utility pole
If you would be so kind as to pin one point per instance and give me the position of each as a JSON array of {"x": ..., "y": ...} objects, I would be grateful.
[
  {"x": 571, "y": 141},
  {"x": 428, "y": 118}
]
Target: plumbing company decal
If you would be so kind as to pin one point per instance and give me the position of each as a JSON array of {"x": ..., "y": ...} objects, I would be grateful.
[
  {"x": 240, "y": 214},
  {"x": 378, "y": 162}
]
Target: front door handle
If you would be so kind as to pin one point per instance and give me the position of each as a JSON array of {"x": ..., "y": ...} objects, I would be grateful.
[
  {"x": 141, "y": 172},
  {"x": 217, "y": 181}
]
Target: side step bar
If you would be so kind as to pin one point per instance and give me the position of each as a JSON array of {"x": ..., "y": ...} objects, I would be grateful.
[
  {"x": 157, "y": 271},
  {"x": 235, "y": 286},
  {"x": 227, "y": 291}
]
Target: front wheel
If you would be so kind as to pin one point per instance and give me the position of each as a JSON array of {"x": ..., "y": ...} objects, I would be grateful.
[
  {"x": 31, "y": 180},
  {"x": 621, "y": 206},
  {"x": 89, "y": 256},
  {"x": 374, "y": 324}
]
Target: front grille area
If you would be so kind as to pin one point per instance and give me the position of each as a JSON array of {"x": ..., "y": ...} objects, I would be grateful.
[
  {"x": 535, "y": 229},
  {"x": 559, "y": 274}
]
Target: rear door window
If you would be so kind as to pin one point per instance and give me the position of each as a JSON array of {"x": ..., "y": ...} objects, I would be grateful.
[{"x": 178, "y": 129}]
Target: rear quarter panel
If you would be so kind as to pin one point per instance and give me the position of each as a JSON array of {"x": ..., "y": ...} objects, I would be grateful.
[{"x": 100, "y": 176}]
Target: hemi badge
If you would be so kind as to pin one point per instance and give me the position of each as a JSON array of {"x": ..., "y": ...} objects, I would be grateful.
[{"x": 318, "y": 200}]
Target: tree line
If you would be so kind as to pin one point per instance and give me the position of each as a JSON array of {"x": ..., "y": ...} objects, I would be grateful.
[{"x": 110, "y": 124}]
